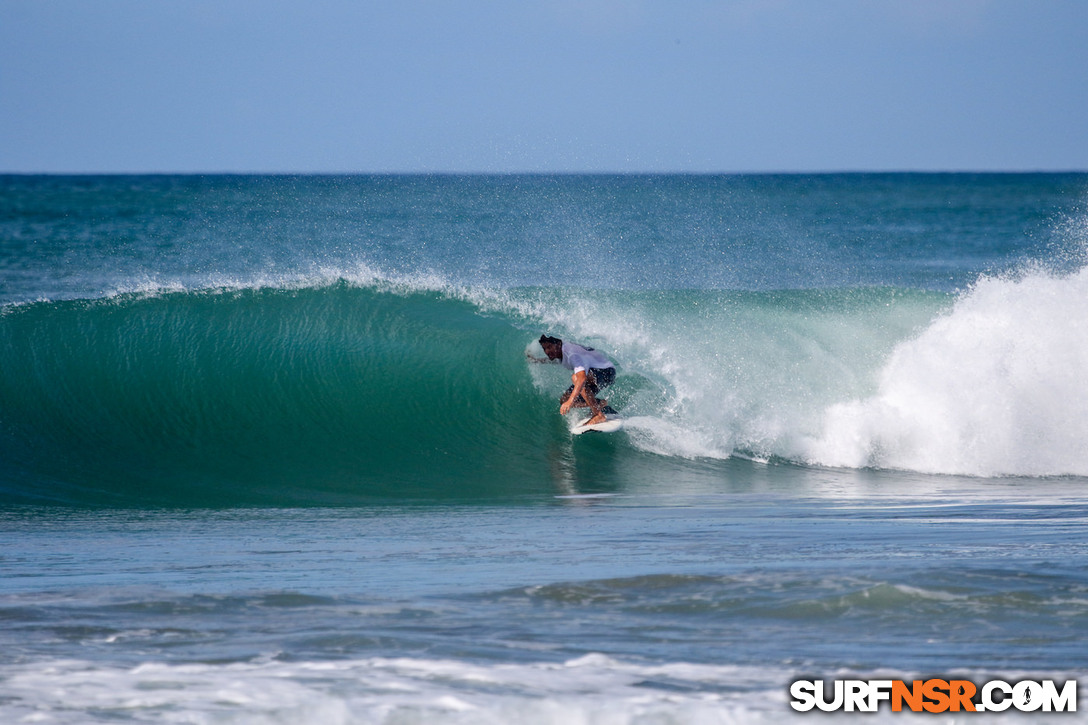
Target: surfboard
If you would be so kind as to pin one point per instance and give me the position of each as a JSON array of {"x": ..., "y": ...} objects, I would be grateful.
[{"x": 611, "y": 425}]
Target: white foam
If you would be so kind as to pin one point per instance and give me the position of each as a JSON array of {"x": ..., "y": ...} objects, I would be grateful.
[
  {"x": 671, "y": 438},
  {"x": 593, "y": 689},
  {"x": 590, "y": 690},
  {"x": 997, "y": 386},
  {"x": 359, "y": 274}
]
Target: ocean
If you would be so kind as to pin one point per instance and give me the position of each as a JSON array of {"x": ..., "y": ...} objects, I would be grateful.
[{"x": 272, "y": 449}]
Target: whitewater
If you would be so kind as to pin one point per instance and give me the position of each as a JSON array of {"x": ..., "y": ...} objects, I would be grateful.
[{"x": 272, "y": 450}]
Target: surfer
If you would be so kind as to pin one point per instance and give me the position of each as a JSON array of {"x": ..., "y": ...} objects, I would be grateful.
[{"x": 591, "y": 372}]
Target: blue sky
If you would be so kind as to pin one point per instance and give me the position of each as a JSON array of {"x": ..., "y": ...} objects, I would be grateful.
[{"x": 546, "y": 85}]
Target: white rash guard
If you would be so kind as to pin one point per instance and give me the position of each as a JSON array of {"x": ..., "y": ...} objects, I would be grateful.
[{"x": 578, "y": 358}]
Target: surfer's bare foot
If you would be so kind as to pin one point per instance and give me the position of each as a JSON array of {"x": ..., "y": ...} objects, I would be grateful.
[{"x": 599, "y": 418}]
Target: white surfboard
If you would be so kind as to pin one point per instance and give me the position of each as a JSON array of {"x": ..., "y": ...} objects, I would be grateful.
[{"x": 611, "y": 425}]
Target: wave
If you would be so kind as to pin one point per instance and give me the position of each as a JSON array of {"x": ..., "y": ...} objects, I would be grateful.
[{"x": 359, "y": 386}]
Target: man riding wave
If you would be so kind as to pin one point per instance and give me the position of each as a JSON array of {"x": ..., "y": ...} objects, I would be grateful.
[{"x": 591, "y": 370}]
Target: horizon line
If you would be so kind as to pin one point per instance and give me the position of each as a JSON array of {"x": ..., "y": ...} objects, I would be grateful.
[{"x": 421, "y": 172}]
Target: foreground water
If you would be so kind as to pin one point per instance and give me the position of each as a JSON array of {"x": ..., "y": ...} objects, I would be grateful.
[
  {"x": 694, "y": 607},
  {"x": 271, "y": 450}
]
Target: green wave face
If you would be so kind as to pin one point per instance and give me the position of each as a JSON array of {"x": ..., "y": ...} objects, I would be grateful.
[{"x": 268, "y": 396}]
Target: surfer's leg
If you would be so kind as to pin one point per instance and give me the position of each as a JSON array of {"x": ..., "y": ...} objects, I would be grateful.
[
  {"x": 598, "y": 380},
  {"x": 589, "y": 395}
]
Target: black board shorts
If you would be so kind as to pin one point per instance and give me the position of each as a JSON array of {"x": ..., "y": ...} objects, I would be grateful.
[{"x": 603, "y": 376}]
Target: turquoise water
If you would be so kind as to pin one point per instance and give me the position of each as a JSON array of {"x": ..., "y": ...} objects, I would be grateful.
[{"x": 271, "y": 449}]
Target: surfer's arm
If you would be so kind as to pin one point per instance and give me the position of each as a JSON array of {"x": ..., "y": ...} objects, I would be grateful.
[{"x": 579, "y": 380}]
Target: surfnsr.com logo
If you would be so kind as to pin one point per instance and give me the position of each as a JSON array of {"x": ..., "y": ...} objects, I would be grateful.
[{"x": 934, "y": 695}]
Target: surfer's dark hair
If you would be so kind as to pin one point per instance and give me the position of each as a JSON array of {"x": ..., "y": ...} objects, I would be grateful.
[{"x": 544, "y": 339}]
